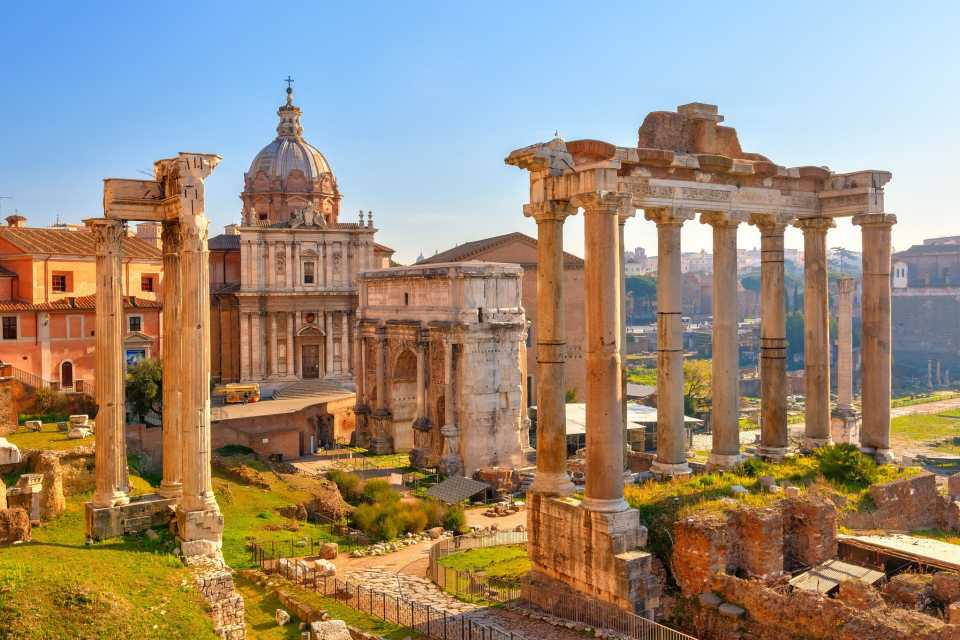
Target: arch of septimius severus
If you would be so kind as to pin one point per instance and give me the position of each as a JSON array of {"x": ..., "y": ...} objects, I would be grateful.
[
  {"x": 685, "y": 163},
  {"x": 176, "y": 200}
]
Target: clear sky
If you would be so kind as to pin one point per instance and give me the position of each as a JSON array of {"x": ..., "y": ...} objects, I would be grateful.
[{"x": 416, "y": 104}]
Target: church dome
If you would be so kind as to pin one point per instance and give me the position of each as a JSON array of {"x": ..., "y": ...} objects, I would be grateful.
[{"x": 289, "y": 151}]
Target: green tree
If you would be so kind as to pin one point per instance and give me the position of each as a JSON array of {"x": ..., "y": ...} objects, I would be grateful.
[
  {"x": 697, "y": 383},
  {"x": 144, "y": 386}
]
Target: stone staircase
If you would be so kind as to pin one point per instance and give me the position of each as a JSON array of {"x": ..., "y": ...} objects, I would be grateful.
[
  {"x": 526, "y": 479},
  {"x": 307, "y": 388}
]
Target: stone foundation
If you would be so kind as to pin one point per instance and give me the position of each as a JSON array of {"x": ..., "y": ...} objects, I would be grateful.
[
  {"x": 200, "y": 533},
  {"x": 8, "y": 405},
  {"x": 225, "y": 604},
  {"x": 588, "y": 553},
  {"x": 14, "y": 526},
  {"x": 141, "y": 513},
  {"x": 845, "y": 426},
  {"x": 809, "y": 530},
  {"x": 26, "y": 495},
  {"x": 903, "y": 505}
]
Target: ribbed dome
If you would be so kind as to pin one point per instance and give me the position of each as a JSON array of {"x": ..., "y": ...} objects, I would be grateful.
[
  {"x": 285, "y": 154},
  {"x": 289, "y": 151}
]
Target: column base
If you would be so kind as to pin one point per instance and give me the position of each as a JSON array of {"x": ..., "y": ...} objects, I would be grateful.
[
  {"x": 670, "y": 470},
  {"x": 809, "y": 444},
  {"x": 143, "y": 512},
  {"x": 171, "y": 490},
  {"x": 605, "y": 505},
  {"x": 724, "y": 460},
  {"x": 552, "y": 484},
  {"x": 200, "y": 533},
  {"x": 882, "y": 456},
  {"x": 108, "y": 500},
  {"x": 775, "y": 454}
]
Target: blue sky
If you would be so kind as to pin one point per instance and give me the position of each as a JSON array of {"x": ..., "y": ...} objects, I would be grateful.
[{"x": 415, "y": 105}]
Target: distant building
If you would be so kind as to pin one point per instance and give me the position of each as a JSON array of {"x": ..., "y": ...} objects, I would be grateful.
[
  {"x": 47, "y": 304},
  {"x": 926, "y": 312}
]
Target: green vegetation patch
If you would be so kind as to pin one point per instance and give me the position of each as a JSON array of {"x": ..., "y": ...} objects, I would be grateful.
[
  {"x": 508, "y": 562},
  {"x": 49, "y": 437},
  {"x": 941, "y": 429}
]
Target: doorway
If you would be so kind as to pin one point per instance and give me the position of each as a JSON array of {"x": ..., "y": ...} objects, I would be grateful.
[
  {"x": 310, "y": 354},
  {"x": 66, "y": 375}
]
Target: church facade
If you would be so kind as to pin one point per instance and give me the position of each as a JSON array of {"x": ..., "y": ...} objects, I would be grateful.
[{"x": 283, "y": 282}]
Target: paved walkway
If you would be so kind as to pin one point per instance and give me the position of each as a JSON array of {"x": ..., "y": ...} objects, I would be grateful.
[{"x": 423, "y": 591}]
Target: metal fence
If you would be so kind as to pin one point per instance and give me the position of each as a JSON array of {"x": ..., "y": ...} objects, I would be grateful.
[
  {"x": 603, "y": 615},
  {"x": 471, "y": 584}
]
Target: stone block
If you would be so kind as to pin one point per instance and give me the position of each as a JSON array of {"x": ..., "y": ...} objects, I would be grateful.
[
  {"x": 791, "y": 492},
  {"x": 953, "y": 486},
  {"x": 200, "y": 532},
  {"x": 281, "y": 616},
  {"x": 952, "y": 613},
  {"x": 859, "y": 595},
  {"x": 33, "y": 425},
  {"x": 760, "y": 542},
  {"x": 809, "y": 530},
  {"x": 703, "y": 546},
  {"x": 79, "y": 433},
  {"x": 946, "y": 587},
  {"x": 79, "y": 420},
  {"x": 330, "y": 630},
  {"x": 710, "y": 599},
  {"x": 52, "y": 501},
  {"x": 63, "y": 426},
  {"x": 14, "y": 526},
  {"x": 141, "y": 513},
  {"x": 909, "y": 590},
  {"x": 738, "y": 490},
  {"x": 26, "y": 495},
  {"x": 329, "y": 550},
  {"x": 9, "y": 452},
  {"x": 731, "y": 610}
]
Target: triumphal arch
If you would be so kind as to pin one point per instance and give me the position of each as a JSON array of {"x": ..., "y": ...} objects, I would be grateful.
[
  {"x": 685, "y": 163},
  {"x": 175, "y": 198}
]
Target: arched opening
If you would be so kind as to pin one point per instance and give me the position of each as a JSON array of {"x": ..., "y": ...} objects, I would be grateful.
[
  {"x": 403, "y": 399},
  {"x": 66, "y": 375}
]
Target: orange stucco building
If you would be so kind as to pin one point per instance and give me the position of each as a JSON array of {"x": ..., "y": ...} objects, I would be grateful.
[{"x": 47, "y": 304}]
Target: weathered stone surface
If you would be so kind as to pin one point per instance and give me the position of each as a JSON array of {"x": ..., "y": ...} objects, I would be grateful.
[
  {"x": 503, "y": 480},
  {"x": 903, "y": 505},
  {"x": 731, "y": 610},
  {"x": 946, "y": 587},
  {"x": 141, "y": 513},
  {"x": 809, "y": 530},
  {"x": 859, "y": 595},
  {"x": 329, "y": 550},
  {"x": 952, "y": 613},
  {"x": 9, "y": 453},
  {"x": 909, "y": 590},
  {"x": 8, "y": 407},
  {"x": 330, "y": 630},
  {"x": 282, "y": 617},
  {"x": 3, "y": 495},
  {"x": 760, "y": 541},
  {"x": 710, "y": 599},
  {"x": 702, "y": 547},
  {"x": 33, "y": 425},
  {"x": 224, "y": 602},
  {"x": 52, "y": 501},
  {"x": 26, "y": 495},
  {"x": 14, "y": 526}
]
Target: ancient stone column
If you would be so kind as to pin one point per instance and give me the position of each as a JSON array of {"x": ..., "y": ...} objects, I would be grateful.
[
  {"x": 274, "y": 345},
  {"x": 816, "y": 331},
  {"x": 112, "y": 483},
  {"x": 170, "y": 486},
  {"x": 199, "y": 523},
  {"x": 550, "y": 333},
  {"x": 604, "y": 487},
  {"x": 290, "y": 359},
  {"x": 875, "y": 342},
  {"x": 451, "y": 463},
  {"x": 622, "y": 219},
  {"x": 421, "y": 420},
  {"x": 845, "y": 287},
  {"x": 381, "y": 365},
  {"x": 671, "y": 435},
  {"x": 773, "y": 338},
  {"x": 328, "y": 326},
  {"x": 245, "y": 347},
  {"x": 345, "y": 343},
  {"x": 725, "y": 415}
]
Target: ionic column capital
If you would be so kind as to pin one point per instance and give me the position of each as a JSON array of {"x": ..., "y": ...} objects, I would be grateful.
[
  {"x": 549, "y": 210},
  {"x": 722, "y": 219},
  {"x": 665, "y": 216},
  {"x": 814, "y": 225},
  {"x": 875, "y": 220}
]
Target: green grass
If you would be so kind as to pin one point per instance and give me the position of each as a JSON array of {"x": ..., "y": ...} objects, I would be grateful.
[
  {"x": 57, "y": 587},
  {"x": 661, "y": 504},
  {"x": 370, "y": 461},
  {"x": 923, "y": 398},
  {"x": 503, "y": 561},
  {"x": 49, "y": 437},
  {"x": 943, "y": 429},
  {"x": 261, "y": 607},
  {"x": 642, "y": 375}
]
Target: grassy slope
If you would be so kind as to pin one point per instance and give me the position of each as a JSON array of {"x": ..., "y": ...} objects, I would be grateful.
[
  {"x": 505, "y": 561},
  {"x": 57, "y": 587},
  {"x": 943, "y": 427}
]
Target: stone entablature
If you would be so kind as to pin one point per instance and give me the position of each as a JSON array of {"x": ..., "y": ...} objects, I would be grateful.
[{"x": 441, "y": 352}]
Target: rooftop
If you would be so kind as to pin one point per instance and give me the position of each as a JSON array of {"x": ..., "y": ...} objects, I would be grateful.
[
  {"x": 79, "y": 242},
  {"x": 84, "y": 303},
  {"x": 471, "y": 250}
]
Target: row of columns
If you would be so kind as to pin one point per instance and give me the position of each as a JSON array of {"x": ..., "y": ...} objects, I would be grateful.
[
  {"x": 261, "y": 259},
  {"x": 605, "y": 335}
]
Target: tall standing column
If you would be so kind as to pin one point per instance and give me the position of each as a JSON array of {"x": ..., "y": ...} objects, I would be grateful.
[
  {"x": 380, "y": 441},
  {"x": 328, "y": 324},
  {"x": 112, "y": 483},
  {"x": 875, "y": 342},
  {"x": 274, "y": 345},
  {"x": 170, "y": 486},
  {"x": 622, "y": 219},
  {"x": 345, "y": 344},
  {"x": 671, "y": 435},
  {"x": 550, "y": 333},
  {"x": 773, "y": 338},
  {"x": 451, "y": 463},
  {"x": 845, "y": 287},
  {"x": 725, "y": 414},
  {"x": 290, "y": 368},
  {"x": 604, "y": 487},
  {"x": 421, "y": 420},
  {"x": 816, "y": 331},
  {"x": 199, "y": 523},
  {"x": 245, "y": 366}
]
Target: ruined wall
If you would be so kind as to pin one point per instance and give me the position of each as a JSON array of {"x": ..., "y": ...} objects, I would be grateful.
[
  {"x": 588, "y": 552},
  {"x": 809, "y": 530},
  {"x": 903, "y": 505},
  {"x": 224, "y": 603},
  {"x": 8, "y": 405},
  {"x": 702, "y": 547}
]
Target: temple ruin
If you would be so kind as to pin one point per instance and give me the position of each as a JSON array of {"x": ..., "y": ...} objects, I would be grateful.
[
  {"x": 684, "y": 163},
  {"x": 175, "y": 198}
]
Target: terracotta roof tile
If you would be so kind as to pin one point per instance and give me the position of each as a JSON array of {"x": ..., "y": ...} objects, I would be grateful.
[
  {"x": 470, "y": 250},
  {"x": 70, "y": 242},
  {"x": 83, "y": 303},
  {"x": 224, "y": 242}
]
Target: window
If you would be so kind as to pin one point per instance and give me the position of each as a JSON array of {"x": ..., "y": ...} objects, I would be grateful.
[
  {"x": 9, "y": 327},
  {"x": 146, "y": 283},
  {"x": 59, "y": 283},
  {"x": 134, "y": 323},
  {"x": 308, "y": 273}
]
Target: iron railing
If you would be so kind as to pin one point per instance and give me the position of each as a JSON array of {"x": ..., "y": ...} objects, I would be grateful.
[{"x": 474, "y": 585}]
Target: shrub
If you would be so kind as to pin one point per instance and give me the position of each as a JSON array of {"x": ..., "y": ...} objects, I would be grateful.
[
  {"x": 752, "y": 467},
  {"x": 379, "y": 491},
  {"x": 845, "y": 463},
  {"x": 233, "y": 450},
  {"x": 434, "y": 512},
  {"x": 455, "y": 519},
  {"x": 349, "y": 484}
]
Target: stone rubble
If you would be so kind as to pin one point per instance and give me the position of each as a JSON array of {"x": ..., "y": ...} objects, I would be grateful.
[{"x": 225, "y": 604}]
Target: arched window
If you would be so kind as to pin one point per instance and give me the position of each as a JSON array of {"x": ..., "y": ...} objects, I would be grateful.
[{"x": 66, "y": 374}]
